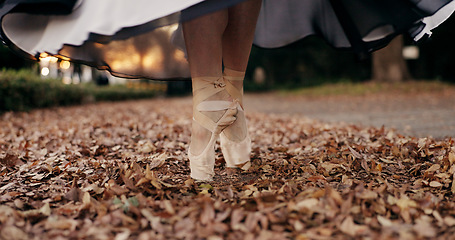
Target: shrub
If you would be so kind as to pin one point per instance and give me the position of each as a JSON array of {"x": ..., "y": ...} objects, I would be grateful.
[{"x": 23, "y": 90}]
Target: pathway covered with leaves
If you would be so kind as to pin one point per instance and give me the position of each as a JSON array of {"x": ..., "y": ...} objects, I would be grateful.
[
  {"x": 416, "y": 108},
  {"x": 120, "y": 171}
]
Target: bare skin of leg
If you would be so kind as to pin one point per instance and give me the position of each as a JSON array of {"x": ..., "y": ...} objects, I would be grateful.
[
  {"x": 237, "y": 40},
  {"x": 239, "y": 34},
  {"x": 205, "y": 38}
]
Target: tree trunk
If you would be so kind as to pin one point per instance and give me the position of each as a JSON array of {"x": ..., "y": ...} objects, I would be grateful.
[{"x": 389, "y": 64}]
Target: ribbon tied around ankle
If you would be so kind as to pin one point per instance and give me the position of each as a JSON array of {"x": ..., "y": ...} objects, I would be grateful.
[
  {"x": 219, "y": 83},
  {"x": 204, "y": 87}
]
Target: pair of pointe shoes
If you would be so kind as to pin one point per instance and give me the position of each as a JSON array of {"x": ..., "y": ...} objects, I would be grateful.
[{"x": 205, "y": 100}]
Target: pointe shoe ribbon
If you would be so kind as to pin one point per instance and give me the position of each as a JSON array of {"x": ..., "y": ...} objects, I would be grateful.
[
  {"x": 236, "y": 154},
  {"x": 203, "y": 88}
]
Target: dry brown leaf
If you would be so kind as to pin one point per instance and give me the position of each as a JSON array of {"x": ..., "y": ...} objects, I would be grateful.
[
  {"x": 352, "y": 229},
  {"x": 10, "y": 161},
  {"x": 367, "y": 194},
  {"x": 59, "y": 223},
  {"x": 236, "y": 217},
  {"x": 453, "y": 184},
  {"x": 424, "y": 227},
  {"x": 307, "y": 204},
  {"x": 157, "y": 160},
  {"x": 405, "y": 203},
  {"x": 45, "y": 210},
  {"x": 433, "y": 168},
  {"x": 355, "y": 153},
  {"x": 449, "y": 221},
  {"x": 208, "y": 214},
  {"x": 13, "y": 233},
  {"x": 436, "y": 184},
  {"x": 385, "y": 222},
  {"x": 452, "y": 157}
]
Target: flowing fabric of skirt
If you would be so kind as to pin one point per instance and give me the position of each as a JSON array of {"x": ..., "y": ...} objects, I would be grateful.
[{"x": 142, "y": 38}]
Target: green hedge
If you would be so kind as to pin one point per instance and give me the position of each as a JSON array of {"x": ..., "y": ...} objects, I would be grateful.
[{"x": 23, "y": 90}]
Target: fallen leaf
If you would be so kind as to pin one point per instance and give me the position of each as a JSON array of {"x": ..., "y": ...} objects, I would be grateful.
[
  {"x": 355, "y": 153},
  {"x": 449, "y": 221},
  {"x": 10, "y": 161},
  {"x": 384, "y": 221},
  {"x": 435, "y": 184},
  {"x": 424, "y": 228},
  {"x": 352, "y": 229},
  {"x": 13, "y": 233},
  {"x": 307, "y": 204},
  {"x": 452, "y": 157}
]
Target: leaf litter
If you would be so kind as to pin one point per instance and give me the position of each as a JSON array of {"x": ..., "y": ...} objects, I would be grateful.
[{"x": 120, "y": 171}]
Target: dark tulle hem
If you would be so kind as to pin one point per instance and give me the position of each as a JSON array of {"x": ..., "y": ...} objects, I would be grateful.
[{"x": 155, "y": 49}]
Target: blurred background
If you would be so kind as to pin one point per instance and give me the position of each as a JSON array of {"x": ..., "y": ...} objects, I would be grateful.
[
  {"x": 306, "y": 63},
  {"x": 312, "y": 62}
]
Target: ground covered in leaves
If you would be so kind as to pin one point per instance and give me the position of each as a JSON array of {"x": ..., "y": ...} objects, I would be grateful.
[{"x": 120, "y": 171}]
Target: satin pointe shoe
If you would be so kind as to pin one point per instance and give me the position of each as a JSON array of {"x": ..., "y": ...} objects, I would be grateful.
[
  {"x": 209, "y": 100},
  {"x": 234, "y": 139}
]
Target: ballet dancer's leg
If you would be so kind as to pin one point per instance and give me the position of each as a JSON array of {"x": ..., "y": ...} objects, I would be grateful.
[
  {"x": 237, "y": 41},
  {"x": 215, "y": 103},
  {"x": 211, "y": 103},
  {"x": 239, "y": 34}
]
